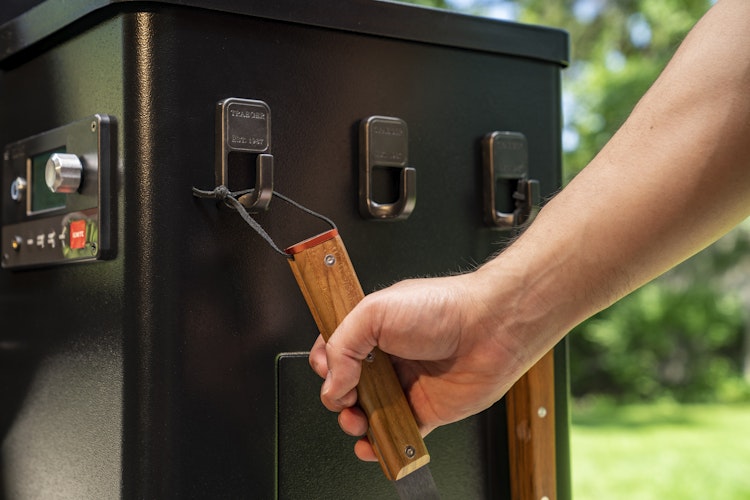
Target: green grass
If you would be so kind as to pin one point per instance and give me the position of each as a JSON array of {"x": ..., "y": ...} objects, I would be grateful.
[{"x": 661, "y": 452}]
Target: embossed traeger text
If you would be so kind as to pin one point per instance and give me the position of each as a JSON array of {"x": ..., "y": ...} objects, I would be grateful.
[
  {"x": 255, "y": 115},
  {"x": 387, "y": 130},
  {"x": 510, "y": 145}
]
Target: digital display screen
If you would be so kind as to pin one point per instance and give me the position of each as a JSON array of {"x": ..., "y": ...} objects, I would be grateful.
[{"x": 42, "y": 198}]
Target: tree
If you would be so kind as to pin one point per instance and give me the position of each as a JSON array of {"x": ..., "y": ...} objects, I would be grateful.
[{"x": 618, "y": 48}]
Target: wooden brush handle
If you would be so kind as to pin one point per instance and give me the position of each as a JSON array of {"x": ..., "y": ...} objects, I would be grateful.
[
  {"x": 530, "y": 405},
  {"x": 331, "y": 289}
]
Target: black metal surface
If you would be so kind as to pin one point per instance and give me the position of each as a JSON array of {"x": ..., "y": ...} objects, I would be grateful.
[
  {"x": 154, "y": 375},
  {"x": 61, "y": 329},
  {"x": 361, "y": 16},
  {"x": 314, "y": 453},
  {"x": 11, "y": 9}
]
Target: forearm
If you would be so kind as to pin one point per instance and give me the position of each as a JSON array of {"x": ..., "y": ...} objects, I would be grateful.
[{"x": 671, "y": 181}]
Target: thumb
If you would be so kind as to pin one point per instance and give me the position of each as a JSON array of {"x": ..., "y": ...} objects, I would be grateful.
[{"x": 347, "y": 347}]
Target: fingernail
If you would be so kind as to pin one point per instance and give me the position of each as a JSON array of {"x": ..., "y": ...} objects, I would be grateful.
[{"x": 326, "y": 384}]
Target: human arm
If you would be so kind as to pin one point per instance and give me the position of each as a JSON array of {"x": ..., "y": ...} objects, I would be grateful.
[{"x": 673, "y": 179}]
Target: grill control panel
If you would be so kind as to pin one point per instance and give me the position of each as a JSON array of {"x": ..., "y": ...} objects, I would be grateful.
[{"x": 57, "y": 195}]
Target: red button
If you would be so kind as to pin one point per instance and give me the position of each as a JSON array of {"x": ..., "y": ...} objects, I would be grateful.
[{"x": 77, "y": 234}]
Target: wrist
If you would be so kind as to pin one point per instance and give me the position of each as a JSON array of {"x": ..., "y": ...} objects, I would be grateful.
[{"x": 532, "y": 296}]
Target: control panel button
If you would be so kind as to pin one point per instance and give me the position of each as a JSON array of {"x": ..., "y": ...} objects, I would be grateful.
[
  {"x": 18, "y": 189},
  {"x": 77, "y": 234},
  {"x": 63, "y": 173}
]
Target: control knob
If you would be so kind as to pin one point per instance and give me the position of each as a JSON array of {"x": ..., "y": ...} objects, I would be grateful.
[
  {"x": 18, "y": 189},
  {"x": 63, "y": 173}
]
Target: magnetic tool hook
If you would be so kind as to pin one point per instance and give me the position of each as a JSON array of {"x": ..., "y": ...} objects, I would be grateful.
[{"x": 232, "y": 200}]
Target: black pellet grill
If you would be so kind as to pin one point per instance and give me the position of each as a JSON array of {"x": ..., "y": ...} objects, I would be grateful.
[{"x": 151, "y": 344}]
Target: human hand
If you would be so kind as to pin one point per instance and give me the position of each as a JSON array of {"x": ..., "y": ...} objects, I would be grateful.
[{"x": 447, "y": 344}]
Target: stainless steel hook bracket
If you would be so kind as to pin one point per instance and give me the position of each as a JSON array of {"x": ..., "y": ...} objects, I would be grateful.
[
  {"x": 243, "y": 126},
  {"x": 384, "y": 143},
  {"x": 511, "y": 199}
]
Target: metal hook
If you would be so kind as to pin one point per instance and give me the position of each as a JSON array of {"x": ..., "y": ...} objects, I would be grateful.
[
  {"x": 505, "y": 159},
  {"x": 244, "y": 126},
  {"x": 384, "y": 142},
  {"x": 260, "y": 196}
]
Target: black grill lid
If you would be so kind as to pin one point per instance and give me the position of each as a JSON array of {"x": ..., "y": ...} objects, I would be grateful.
[{"x": 374, "y": 17}]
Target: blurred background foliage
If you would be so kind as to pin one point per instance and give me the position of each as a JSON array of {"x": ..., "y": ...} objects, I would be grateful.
[{"x": 685, "y": 336}]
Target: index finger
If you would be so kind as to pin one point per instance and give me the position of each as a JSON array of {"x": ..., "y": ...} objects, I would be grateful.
[{"x": 317, "y": 358}]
